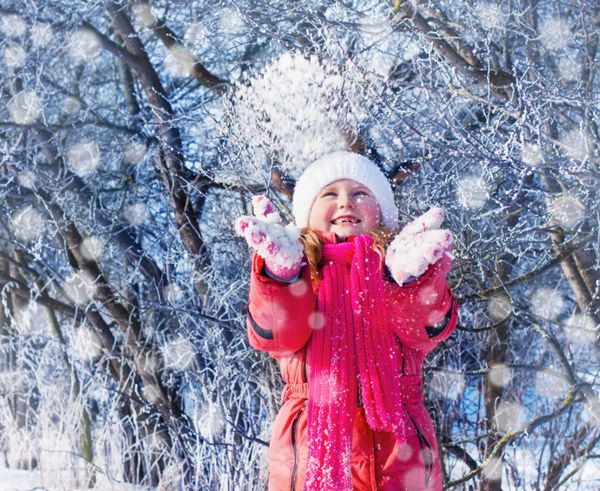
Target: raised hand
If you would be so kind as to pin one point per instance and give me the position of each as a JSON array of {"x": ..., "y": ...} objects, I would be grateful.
[
  {"x": 277, "y": 244},
  {"x": 419, "y": 244}
]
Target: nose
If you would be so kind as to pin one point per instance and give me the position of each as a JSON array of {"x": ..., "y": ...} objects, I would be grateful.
[{"x": 345, "y": 201}]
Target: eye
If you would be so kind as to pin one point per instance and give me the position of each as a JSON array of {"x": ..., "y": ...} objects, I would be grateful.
[
  {"x": 361, "y": 193},
  {"x": 328, "y": 193}
]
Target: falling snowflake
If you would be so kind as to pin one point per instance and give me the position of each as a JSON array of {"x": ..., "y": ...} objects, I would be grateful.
[
  {"x": 144, "y": 14},
  {"x": 134, "y": 152},
  {"x": 490, "y": 15},
  {"x": 547, "y": 303},
  {"x": 179, "y": 354},
  {"x": 472, "y": 192},
  {"x": 197, "y": 34},
  {"x": 492, "y": 470},
  {"x": 41, "y": 35},
  {"x": 84, "y": 158},
  {"x": 179, "y": 61},
  {"x": 80, "y": 288},
  {"x": 580, "y": 329},
  {"x": 15, "y": 56},
  {"x": 173, "y": 293},
  {"x": 316, "y": 320},
  {"x": 569, "y": 69},
  {"x": 577, "y": 144},
  {"x": 209, "y": 420},
  {"x": 13, "y": 25},
  {"x": 71, "y": 105},
  {"x": 499, "y": 307},
  {"x": 92, "y": 248},
  {"x": 26, "y": 179},
  {"x": 84, "y": 46},
  {"x": 28, "y": 223},
  {"x": 87, "y": 344},
  {"x": 531, "y": 154},
  {"x": 31, "y": 318},
  {"x": 500, "y": 375},
  {"x": 555, "y": 33},
  {"x": 230, "y": 21},
  {"x": 136, "y": 214},
  {"x": 549, "y": 383},
  {"x": 566, "y": 210},
  {"x": 510, "y": 416},
  {"x": 448, "y": 385},
  {"x": 25, "y": 107}
]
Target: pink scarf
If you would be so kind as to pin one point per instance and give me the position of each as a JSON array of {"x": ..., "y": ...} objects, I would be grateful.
[{"x": 355, "y": 340}]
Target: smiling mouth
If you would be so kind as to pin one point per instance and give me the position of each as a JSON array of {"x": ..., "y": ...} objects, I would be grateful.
[{"x": 345, "y": 220}]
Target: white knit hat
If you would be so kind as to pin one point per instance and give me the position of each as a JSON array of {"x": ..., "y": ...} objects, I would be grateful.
[{"x": 343, "y": 165}]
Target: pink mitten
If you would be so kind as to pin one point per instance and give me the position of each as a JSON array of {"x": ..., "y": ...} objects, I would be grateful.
[
  {"x": 277, "y": 244},
  {"x": 419, "y": 244}
]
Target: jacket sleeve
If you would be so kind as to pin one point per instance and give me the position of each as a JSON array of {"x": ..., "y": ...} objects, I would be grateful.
[
  {"x": 279, "y": 313},
  {"x": 424, "y": 312}
]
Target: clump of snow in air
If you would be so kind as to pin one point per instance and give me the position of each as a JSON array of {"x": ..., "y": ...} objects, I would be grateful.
[
  {"x": 25, "y": 107},
  {"x": 14, "y": 56},
  {"x": 79, "y": 287},
  {"x": 531, "y": 154},
  {"x": 92, "y": 248},
  {"x": 26, "y": 179},
  {"x": 71, "y": 105},
  {"x": 84, "y": 158},
  {"x": 577, "y": 144},
  {"x": 136, "y": 214},
  {"x": 297, "y": 109},
  {"x": 379, "y": 55},
  {"x": 580, "y": 329},
  {"x": 566, "y": 210},
  {"x": 84, "y": 46},
  {"x": 547, "y": 303},
  {"x": 490, "y": 15},
  {"x": 28, "y": 223},
  {"x": 499, "y": 307},
  {"x": 179, "y": 354},
  {"x": 13, "y": 25},
  {"x": 510, "y": 416},
  {"x": 173, "y": 293},
  {"x": 448, "y": 385},
  {"x": 551, "y": 384},
  {"x": 209, "y": 420},
  {"x": 500, "y": 375},
  {"x": 179, "y": 61},
  {"x": 555, "y": 33},
  {"x": 134, "y": 152},
  {"x": 86, "y": 344},
  {"x": 472, "y": 192},
  {"x": 492, "y": 470},
  {"x": 569, "y": 69},
  {"x": 41, "y": 35},
  {"x": 143, "y": 14},
  {"x": 196, "y": 34}
]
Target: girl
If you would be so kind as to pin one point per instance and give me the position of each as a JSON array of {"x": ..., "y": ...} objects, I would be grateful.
[{"x": 350, "y": 323}]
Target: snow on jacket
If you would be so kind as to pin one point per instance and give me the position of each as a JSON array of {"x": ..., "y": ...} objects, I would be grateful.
[{"x": 280, "y": 321}]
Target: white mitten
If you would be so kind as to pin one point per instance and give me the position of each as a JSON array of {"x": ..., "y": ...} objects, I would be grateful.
[
  {"x": 419, "y": 244},
  {"x": 277, "y": 244}
]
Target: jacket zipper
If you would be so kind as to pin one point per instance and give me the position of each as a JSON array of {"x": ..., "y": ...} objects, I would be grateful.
[
  {"x": 304, "y": 376},
  {"x": 295, "y": 450},
  {"x": 426, "y": 450}
]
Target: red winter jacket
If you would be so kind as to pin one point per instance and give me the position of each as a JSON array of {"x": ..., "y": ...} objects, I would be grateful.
[{"x": 279, "y": 322}]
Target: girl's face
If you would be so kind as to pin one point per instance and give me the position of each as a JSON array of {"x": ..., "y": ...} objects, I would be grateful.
[{"x": 345, "y": 207}]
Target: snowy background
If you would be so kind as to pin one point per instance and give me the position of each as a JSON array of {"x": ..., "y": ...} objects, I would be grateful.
[{"x": 132, "y": 134}]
